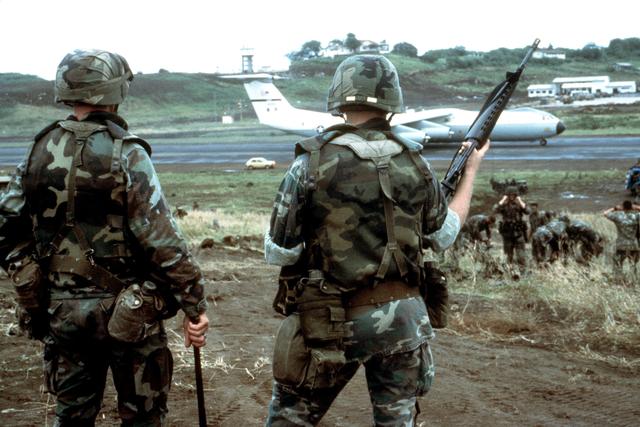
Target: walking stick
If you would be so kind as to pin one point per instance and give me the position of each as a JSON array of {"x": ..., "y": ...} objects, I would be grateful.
[{"x": 202, "y": 414}]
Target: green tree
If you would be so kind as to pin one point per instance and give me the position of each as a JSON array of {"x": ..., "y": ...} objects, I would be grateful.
[
  {"x": 405, "y": 49},
  {"x": 352, "y": 43},
  {"x": 310, "y": 49}
]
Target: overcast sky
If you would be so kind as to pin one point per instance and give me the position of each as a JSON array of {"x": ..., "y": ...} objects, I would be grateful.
[{"x": 206, "y": 36}]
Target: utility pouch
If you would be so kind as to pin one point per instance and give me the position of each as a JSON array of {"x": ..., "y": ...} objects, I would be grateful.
[
  {"x": 137, "y": 313},
  {"x": 296, "y": 365},
  {"x": 436, "y": 295},
  {"x": 322, "y": 314},
  {"x": 29, "y": 284}
]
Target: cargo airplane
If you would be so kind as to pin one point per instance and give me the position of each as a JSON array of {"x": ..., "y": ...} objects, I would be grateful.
[{"x": 434, "y": 125}]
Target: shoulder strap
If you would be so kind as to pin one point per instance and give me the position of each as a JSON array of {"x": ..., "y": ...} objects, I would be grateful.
[
  {"x": 118, "y": 132},
  {"x": 391, "y": 249},
  {"x": 313, "y": 147}
]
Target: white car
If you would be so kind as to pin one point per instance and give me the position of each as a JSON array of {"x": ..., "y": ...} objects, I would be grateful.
[{"x": 260, "y": 163}]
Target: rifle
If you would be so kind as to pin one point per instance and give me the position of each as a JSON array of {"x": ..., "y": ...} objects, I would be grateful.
[{"x": 484, "y": 123}]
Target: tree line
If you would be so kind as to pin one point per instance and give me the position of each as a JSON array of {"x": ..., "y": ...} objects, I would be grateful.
[{"x": 460, "y": 57}]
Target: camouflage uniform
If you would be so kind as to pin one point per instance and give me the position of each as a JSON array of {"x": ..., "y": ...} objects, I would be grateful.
[
  {"x": 548, "y": 242},
  {"x": 539, "y": 242},
  {"x": 119, "y": 212},
  {"x": 475, "y": 225},
  {"x": 536, "y": 219},
  {"x": 627, "y": 243},
  {"x": 582, "y": 234},
  {"x": 513, "y": 230},
  {"x": 342, "y": 226}
]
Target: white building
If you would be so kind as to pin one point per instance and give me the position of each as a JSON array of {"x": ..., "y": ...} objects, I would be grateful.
[
  {"x": 539, "y": 54},
  {"x": 541, "y": 91},
  {"x": 586, "y": 85}
]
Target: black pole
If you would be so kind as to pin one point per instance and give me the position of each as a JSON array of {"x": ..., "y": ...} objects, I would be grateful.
[{"x": 202, "y": 413}]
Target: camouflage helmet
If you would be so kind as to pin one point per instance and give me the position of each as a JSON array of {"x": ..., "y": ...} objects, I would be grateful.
[
  {"x": 95, "y": 77},
  {"x": 370, "y": 80},
  {"x": 512, "y": 189}
]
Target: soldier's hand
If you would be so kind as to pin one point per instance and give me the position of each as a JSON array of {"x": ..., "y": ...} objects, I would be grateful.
[{"x": 195, "y": 331}]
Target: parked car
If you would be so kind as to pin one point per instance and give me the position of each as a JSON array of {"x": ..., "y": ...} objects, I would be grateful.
[{"x": 260, "y": 163}]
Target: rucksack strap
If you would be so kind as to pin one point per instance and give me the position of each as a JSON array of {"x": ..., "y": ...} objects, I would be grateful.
[
  {"x": 391, "y": 250},
  {"x": 91, "y": 271}
]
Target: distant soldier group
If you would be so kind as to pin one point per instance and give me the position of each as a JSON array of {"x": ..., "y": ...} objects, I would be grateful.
[{"x": 552, "y": 237}]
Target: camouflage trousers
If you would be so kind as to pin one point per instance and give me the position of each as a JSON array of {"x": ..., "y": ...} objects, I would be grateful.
[
  {"x": 394, "y": 382},
  {"x": 78, "y": 353},
  {"x": 515, "y": 251}
]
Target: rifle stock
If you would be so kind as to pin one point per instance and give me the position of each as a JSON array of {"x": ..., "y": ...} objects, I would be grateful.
[{"x": 484, "y": 123}]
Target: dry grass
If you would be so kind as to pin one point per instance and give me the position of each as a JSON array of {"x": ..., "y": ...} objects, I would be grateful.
[{"x": 200, "y": 224}]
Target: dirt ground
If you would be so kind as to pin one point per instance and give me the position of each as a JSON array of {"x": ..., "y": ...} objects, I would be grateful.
[{"x": 481, "y": 382}]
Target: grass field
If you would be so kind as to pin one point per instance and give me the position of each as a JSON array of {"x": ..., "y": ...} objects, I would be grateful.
[{"x": 585, "y": 309}]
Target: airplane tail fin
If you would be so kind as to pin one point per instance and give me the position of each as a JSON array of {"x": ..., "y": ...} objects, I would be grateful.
[{"x": 267, "y": 101}]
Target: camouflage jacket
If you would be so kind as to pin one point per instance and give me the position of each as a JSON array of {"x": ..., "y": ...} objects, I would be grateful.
[
  {"x": 512, "y": 225},
  {"x": 341, "y": 224},
  {"x": 119, "y": 208},
  {"x": 627, "y": 225},
  {"x": 580, "y": 230},
  {"x": 475, "y": 225}
]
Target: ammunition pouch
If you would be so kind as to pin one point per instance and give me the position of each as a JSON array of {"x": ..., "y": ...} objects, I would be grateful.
[
  {"x": 322, "y": 314},
  {"x": 436, "y": 295},
  {"x": 308, "y": 351},
  {"x": 30, "y": 285},
  {"x": 297, "y": 365},
  {"x": 137, "y": 313}
]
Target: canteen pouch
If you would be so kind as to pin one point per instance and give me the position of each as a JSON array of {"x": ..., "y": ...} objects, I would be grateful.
[
  {"x": 296, "y": 365},
  {"x": 29, "y": 284},
  {"x": 136, "y": 314}
]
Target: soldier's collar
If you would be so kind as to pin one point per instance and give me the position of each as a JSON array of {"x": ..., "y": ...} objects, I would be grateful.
[{"x": 102, "y": 117}]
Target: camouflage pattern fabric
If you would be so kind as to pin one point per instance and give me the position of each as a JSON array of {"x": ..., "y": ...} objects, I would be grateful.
[
  {"x": 121, "y": 211},
  {"x": 114, "y": 210},
  {"x": 394, "y": 382},
  {"x": 539, "y": 243},
  {"x": 585, "y": 241},
  {"x": 626, "y": 224},
  {"x": 94, "y": 77},
  {"x": 346, "y": 221},
  {"x": 370, "y": 80},
  {"x": 536, "y": 219},
  {"x": 78, "y": 352},
  {"x": 342, "y": 223},
  {"x": 475, "y": 225},
  {"x": 513, "y": 231}
]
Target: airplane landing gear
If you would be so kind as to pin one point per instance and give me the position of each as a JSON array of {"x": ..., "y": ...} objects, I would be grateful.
[{"x": 543, "y": 141}]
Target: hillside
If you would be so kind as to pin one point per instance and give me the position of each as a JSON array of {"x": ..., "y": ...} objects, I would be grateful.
[{"x": 175, "y": 102}]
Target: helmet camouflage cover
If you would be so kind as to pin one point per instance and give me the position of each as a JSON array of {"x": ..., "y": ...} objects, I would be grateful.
[
  {"x": 95, "y": 77},
  {"x": 370, "y": 80}
]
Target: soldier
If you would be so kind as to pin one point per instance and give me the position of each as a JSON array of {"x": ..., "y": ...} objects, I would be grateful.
[
  {"x": 512, "y": 228},
  {"x": 536, "y": 218},
  {"x": 582, "y": 235},
  {"x": 476, "y": 225},
  {"x": 105, "y": 261},
  {"x": 540, "y": 243},
  {"x": 558, "y": 245},
  {"x": 626, "y": 217},
  {"x": 350, "y": 218}
]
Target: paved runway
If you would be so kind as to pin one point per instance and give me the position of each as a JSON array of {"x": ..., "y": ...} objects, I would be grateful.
[{"x": 199, "y": 150}]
